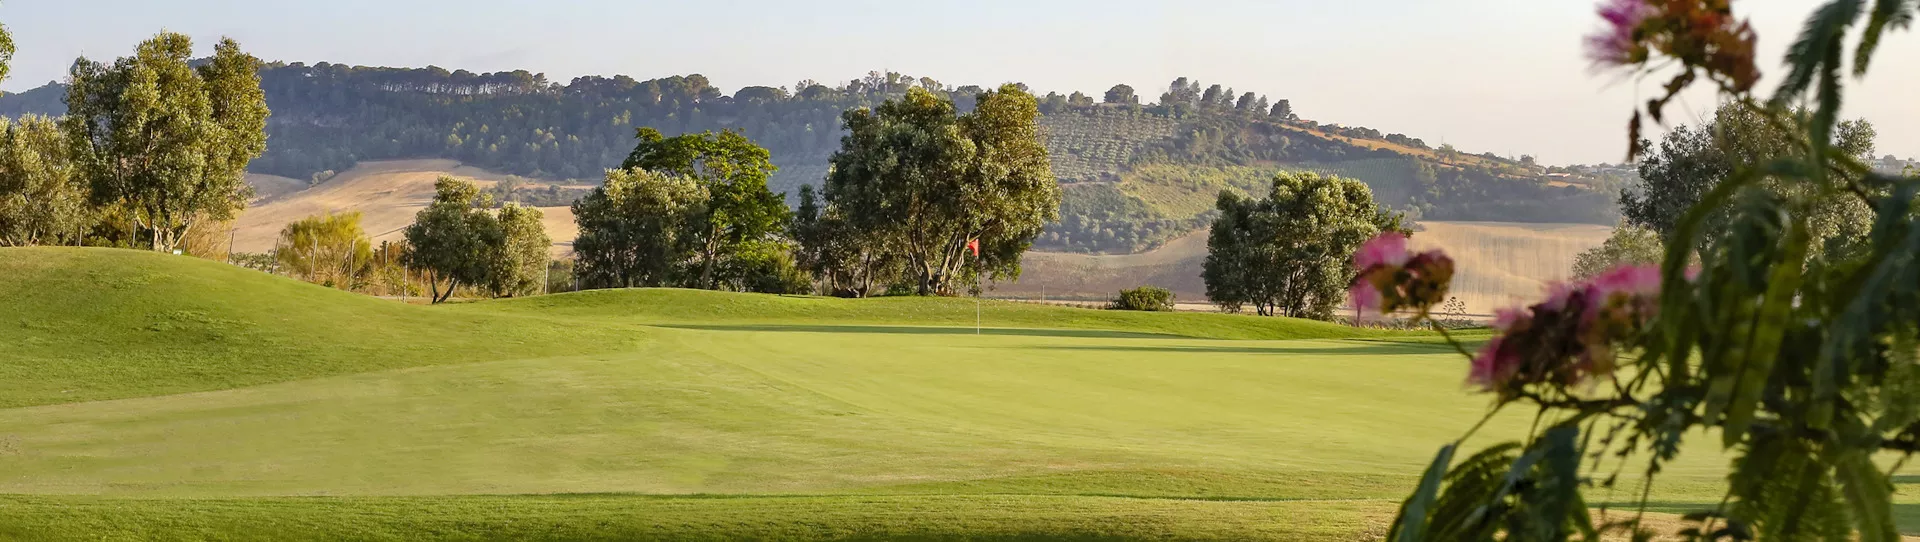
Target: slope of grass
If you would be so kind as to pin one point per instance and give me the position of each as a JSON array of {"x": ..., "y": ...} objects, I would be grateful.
[{"x": 91, "y": 324}]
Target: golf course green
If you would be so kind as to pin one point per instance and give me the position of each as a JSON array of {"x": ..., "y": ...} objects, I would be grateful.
[{"x": 161, "y": 397}]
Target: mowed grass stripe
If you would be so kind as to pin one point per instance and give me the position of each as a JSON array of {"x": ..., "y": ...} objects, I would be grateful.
[
  {"x": 699, "y": 411},
  {"x": 603, "y": 517}
]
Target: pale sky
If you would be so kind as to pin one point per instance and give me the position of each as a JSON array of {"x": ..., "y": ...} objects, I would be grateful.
[{"x": 1505, "y": 76}]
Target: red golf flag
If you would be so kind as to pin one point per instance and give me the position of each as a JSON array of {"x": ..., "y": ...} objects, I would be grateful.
[{"x": 974, "y": 245}]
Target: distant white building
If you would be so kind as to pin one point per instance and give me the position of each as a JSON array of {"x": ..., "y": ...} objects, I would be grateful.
[{"x": 1892, "y": 165}]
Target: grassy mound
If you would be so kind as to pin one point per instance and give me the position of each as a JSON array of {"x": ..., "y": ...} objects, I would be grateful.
[{"x": 91, "y": 324}]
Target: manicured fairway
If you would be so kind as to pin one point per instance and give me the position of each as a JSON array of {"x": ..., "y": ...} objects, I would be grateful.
[{"x": 282, "y": 410}]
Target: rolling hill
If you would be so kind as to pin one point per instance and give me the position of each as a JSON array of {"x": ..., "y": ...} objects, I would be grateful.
[
  {"x": 1500, "y": 262},
  {"x": 208, "y": 401},
  {"x": 1131, "y": 171},
  {"x": 387, "y": 194}
]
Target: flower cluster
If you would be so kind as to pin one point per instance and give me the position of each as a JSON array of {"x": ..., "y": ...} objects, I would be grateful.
[
  {"x": 1393, "y": 278},
  {"x": 1571, "y": 336},
  {"x": 1698, "y": 33}
]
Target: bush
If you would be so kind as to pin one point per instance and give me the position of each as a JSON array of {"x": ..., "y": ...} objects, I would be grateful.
[{"x": 1144, "y": 298}]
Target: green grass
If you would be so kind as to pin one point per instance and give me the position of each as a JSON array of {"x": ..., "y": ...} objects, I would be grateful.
[
  {"x": 288, "y": 411},
  {"x": 691, "y": 307},
  {"x": 604, "y": 517},
  {"x": 94, "y": 324}
]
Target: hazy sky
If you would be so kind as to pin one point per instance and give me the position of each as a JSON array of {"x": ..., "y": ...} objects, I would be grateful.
[{"x": 1505, "y": 76}]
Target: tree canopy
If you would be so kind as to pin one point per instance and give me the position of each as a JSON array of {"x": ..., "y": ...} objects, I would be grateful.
[
  {"x": 933, "y": 181},
  {"x": 1288, "y": 254},
  {"x": 42, "y": 199},
  {"x": 459, "y": 241},
  {"x": 168, "y": 142},
  {"x": 733, "y": 171},
  {"x": 1691, "y": 161},
  {"x": 634, "y": 228}
]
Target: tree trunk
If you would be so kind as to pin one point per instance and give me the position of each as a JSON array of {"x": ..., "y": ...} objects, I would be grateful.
[{"x": 451, "y": 284}]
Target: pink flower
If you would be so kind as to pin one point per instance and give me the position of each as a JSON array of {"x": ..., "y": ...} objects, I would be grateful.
[
  {"x": 1505, "y": 319},
  {"x": 1365, "y": 298},
  {"x": 1387, "y": 249},
  {"x": 1632, "y": 280},
  {"x": 1614, "y": 44},
  {"x": 1559, "y": 294},
  {"x": 1492, "y": 365}
]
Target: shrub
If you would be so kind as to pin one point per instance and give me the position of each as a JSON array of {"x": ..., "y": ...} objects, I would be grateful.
[{"x": 1144, "y": 298}]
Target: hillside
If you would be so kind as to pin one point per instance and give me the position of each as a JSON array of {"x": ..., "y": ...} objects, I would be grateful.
[
  {"x": 1133, "y": 173},
  {"x": 386, "y": 193},
  {"x": 1500, "y": 261}
]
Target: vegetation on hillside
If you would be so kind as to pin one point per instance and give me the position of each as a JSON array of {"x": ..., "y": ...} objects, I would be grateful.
[{"x": 327, "y": 117}]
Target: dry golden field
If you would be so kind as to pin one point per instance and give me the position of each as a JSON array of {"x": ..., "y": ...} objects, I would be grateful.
[
  {"x": 1499, "y": 263},
  {"x": 1502, "y": 263},
  {"x": 387, "y": 193}
]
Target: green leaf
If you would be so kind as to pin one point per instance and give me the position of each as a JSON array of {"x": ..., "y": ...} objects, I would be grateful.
[
  {"x": 1823, "y": 31},
  {"x": 1897, "y": 14},
  {"x": 1869, "y": 493},
  {"x": 1412, "y": 526},
  {"x": 1769, "y": 330},
  {"x": 1559, "y": 480}
]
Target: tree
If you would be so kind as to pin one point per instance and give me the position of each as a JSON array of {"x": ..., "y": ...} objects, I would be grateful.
[
  {"x": 1282, "y": 110},
  {"x": 6, "y": 52},
  {"x": 454, "y": 238},
  {"x": 42, "y": 200},
  {"x": 1079, "y": 99},
  {"x": 1246, "y": 102},
  {"x": 932, "y": 181},
  {"x": 169, "y": 142},
  {"x": 1214, "y": 96},
  {"x": 521, "y": 264},
  {"x": 633, "y": 228},
  {"x": 846, "y": 261},
  {"x": 1692, "y": 161},
  {"x": 329, "y": 249},
  {"x": 766, "y": 267},
  {"x": 1121, "y": 94},
  {"x": 733, "y": 171},
  {"x": 1287, "y": 254},
  {"x": 1629, "y": 245}
]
